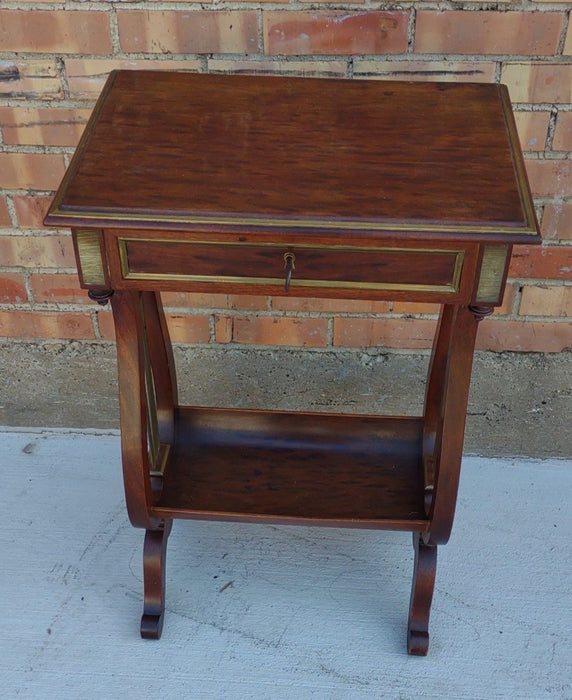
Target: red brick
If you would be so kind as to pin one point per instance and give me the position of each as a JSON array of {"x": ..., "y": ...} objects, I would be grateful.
[
  {"x": 547, "y": 262},
  {"x": 546, "y": 301},
  {"x": 12, "y": 288},
  {"x": 488, "y": 32},
  {"x": 86, "y": 76},
  {"x": 563, "y": 134},
  {"x": 55, "y": 31},
  {"x": 329, "y": 305},
  {"x": 51, "y": 251},
  {"x": 30, "y": 210},
  {"x": 265, "y": 330},
  {"x": 405, "y": 333},
  {"x": 31, "y": 171},
  {"x": 329, "y": 2},
  {"x": 409, "y": 307},
  {"x": 33, "y": 78},
  {"x": 557, "y": 221},
  {"x": 58, "y": 288},
  {"x": 4, "y": 213},
  {"x": 188, "y": 328},
  {"x": 532, "y": 129},
  {"x": 538, "y": 82},
  {"x": 244, "y": 301},
  {"x": 46, "y": 324},
  {"x": 524, "y": 336},
  {"x": 188, "y": 32},
  {"x": 193, "y": 301},
  {"x": 223, "y": 329},
  {"x": 324, "y": 68},
  {"x": 42, "y": 126},
  {"x": 213, "y": 301},
  {"x": 550, "y": 178},
  {"x": 428, "y": 70},
  {"x": 508, "y": 300},
  {"x": 568, "y": 44},
  {"x": 105, "y": 325},
  {"x": 183, "y": 328},
  {"x": 335, "y": 32}
]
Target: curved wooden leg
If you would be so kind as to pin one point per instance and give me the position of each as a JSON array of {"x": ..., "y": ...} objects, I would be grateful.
[
  {"x": 154, "y": 558},
  {"x": 421, "y": 595}
]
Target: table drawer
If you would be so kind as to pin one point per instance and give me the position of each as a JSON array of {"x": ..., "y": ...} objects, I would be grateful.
[{"x": 228, "y": 264}]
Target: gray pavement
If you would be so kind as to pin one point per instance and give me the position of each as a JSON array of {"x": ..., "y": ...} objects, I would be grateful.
[
  {"x": 258, "y": 611},
  {"x": 282, "y": 612}
]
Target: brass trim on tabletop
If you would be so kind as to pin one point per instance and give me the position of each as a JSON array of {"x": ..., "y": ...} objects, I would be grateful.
[
  {"x": 292, "y": 223},
  {"x": 518, "y": 162}
]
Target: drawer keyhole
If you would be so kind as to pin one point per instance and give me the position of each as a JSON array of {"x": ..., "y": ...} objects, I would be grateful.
[{"x": 289, "y": 267}]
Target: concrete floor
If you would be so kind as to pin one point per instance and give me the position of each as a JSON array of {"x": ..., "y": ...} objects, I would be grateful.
[{"x": 277, "y": 612}]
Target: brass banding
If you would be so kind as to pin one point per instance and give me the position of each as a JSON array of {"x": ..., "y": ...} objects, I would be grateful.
[
  {"x": 492, "y": 273},
  {"x": 451, "y": 287},
  {"x": 287, "y": 223},
  {"x": 90, "y": 259}
]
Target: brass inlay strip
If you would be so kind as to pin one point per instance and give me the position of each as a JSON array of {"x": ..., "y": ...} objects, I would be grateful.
[
  {"x": 71, "y": 171},
  {"x": 153, "y": 439},
  {"x": 277, "y": 222},
  {"x": 286, "y": 247},
  {"x": 492, "y": 273},
  {"x": 162, "y": 458},
  {"x": 518, "y": 162},
  {"x": 452, "y": 287},
  {"x": 89, "y": 254}
]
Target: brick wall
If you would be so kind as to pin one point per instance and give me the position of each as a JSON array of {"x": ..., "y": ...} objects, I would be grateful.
[{"x": 56, "y": 55}]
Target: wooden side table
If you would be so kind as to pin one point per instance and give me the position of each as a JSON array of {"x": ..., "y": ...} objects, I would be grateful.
[{"x": 320, "y": 188}]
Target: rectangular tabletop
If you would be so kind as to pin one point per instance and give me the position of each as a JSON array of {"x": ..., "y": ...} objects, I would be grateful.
[{"x": 182, "y": 149}]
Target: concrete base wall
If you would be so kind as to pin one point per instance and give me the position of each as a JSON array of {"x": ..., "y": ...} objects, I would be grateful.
[{"x": 520, "y": 403}]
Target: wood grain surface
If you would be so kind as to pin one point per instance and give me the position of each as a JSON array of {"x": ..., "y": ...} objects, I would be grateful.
[
  {"x": 295, "y": 466},
  {"x": 309, "y": 151}
]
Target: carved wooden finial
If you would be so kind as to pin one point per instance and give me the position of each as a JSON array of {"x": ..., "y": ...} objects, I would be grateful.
[
  {"x": 101, "y": 296},
  {"x": 481, "y": 312}
]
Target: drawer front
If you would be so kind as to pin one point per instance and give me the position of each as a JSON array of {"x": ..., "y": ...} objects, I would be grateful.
[{"x": 223, "y": 264}]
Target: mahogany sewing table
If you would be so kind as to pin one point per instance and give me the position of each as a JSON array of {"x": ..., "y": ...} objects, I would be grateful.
[{"x": 304, "y": 187}]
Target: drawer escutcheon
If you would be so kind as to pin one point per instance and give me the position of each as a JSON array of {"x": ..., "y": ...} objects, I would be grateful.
[{"x": 334, "y": 267}]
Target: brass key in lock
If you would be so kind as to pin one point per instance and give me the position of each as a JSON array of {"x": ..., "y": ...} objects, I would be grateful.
[{"x": 289, "y": 267}]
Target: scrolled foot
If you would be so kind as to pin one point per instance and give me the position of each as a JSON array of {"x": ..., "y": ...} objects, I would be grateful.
[
  {"x": 421, "y": 595},
  {"x": 417, "y": 642},
  {"x": 154, "y": 558},
  {"x": 152, "y": 626}
]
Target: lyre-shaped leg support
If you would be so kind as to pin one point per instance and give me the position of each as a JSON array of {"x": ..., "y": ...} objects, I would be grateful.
[
  {"x": 154, "y": 560},
  {"x": 444, "y": 428},
  {"x": 424, "y": 571},
  {"x": 148, "y": 400}
]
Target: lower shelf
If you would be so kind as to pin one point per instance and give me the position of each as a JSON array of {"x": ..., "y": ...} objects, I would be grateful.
[{"x": 302, "y": 468}]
